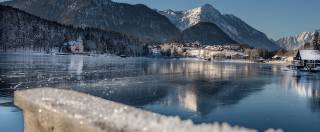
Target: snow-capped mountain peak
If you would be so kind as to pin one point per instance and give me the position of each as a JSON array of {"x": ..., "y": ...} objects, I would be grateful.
[
  {"x": 188, "y": 18},
  {"x": 237, "y": 29},
  {"x": 296, "y": 41}
]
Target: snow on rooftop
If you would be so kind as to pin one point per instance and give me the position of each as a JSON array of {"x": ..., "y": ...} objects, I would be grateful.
[
  {"x": 309, "y": 54},
  {"x": 74, "y": 42}
]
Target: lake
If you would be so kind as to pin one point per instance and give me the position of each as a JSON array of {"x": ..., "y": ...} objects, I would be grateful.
[{"x": 258, "y": 96}]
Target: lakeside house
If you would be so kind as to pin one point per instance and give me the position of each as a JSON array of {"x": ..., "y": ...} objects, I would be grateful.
[
  {"x": 307, "y": 58},
  {"x": 155, "y": 50},
  {"x": 75, "y": 46}
]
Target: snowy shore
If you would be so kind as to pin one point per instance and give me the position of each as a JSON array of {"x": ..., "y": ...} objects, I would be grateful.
[{"x": 48, "y": 109}]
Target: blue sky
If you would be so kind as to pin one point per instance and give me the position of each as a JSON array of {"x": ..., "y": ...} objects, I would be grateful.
[{"x": 276, "y": 18}]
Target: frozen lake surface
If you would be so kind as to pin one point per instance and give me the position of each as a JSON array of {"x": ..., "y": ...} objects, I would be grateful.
[{"x": 256, "y": 96}]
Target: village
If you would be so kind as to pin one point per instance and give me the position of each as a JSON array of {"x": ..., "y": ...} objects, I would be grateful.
[
  {"x": 184, "y": 50},
  {"x": 305, "y": 59},
  {"x": 208, "y": 52}
]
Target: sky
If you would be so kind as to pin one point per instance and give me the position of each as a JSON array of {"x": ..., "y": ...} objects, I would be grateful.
[{"x": 276, "y": 18}]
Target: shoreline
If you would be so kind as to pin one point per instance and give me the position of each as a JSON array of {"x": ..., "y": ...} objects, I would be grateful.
[{"x": 151, "y": 57}]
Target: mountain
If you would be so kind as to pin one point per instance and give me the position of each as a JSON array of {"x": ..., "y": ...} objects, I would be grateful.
[
  {"x": 237, "y": 29},
  {"x": 204, "y": 32},
  {"x": 21, "y": 30},
  {"x": 297, "y": 41},
  {"x": 138, "y": 20}
]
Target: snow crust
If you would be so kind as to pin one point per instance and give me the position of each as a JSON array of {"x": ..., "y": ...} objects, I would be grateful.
[
  {"x": 309, "y": 54},
  {"x": 106, "y": 115}
]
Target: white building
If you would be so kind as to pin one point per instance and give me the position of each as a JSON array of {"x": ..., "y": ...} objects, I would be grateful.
[
  {"x": 156, "y": 50},
  {"x": 75, "y": 46},
  {"x": 194, "y": 52},
  {"x": 308, "y": 58}
]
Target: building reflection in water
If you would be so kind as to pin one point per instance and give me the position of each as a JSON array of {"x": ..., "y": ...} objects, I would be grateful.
[
  {"x": 202, "y": 87},
  {"x": 198, "y": 87},
  {"x": 188, "y": 98},
  {"x": 76, "y": 66},
  {"x": 194, "y": 69},
  {"x": 202, "y": 96},
  {"x": 305, "y": 85}
]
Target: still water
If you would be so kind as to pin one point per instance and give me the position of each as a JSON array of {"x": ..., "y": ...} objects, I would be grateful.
[{"x": 256, "y": 96}]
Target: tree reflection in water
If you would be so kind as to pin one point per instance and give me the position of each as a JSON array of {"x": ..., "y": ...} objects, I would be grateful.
[{"x": 306, "y": 85}]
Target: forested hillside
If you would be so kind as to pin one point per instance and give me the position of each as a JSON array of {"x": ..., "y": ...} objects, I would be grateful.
[
  {"x": 138, "y": 20},
  {"x": 21, "y": 30}
]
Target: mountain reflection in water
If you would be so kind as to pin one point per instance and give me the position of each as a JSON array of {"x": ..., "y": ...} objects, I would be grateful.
[
  {"x": 257, "y": 96},
  {"x": 195, "y": 85},
  {"x": 305, "y": 85}
]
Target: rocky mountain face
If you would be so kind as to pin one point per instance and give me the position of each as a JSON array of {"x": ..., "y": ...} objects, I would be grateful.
[
  {"x": 137, "y": 20},
  {"x": 297, "y": 41},
  {"x": 141, "y": 21},
  {"x": 237, "y": 29},
  {"x": 206, "y": 33},
  {"x": 21, "y": 30}
]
